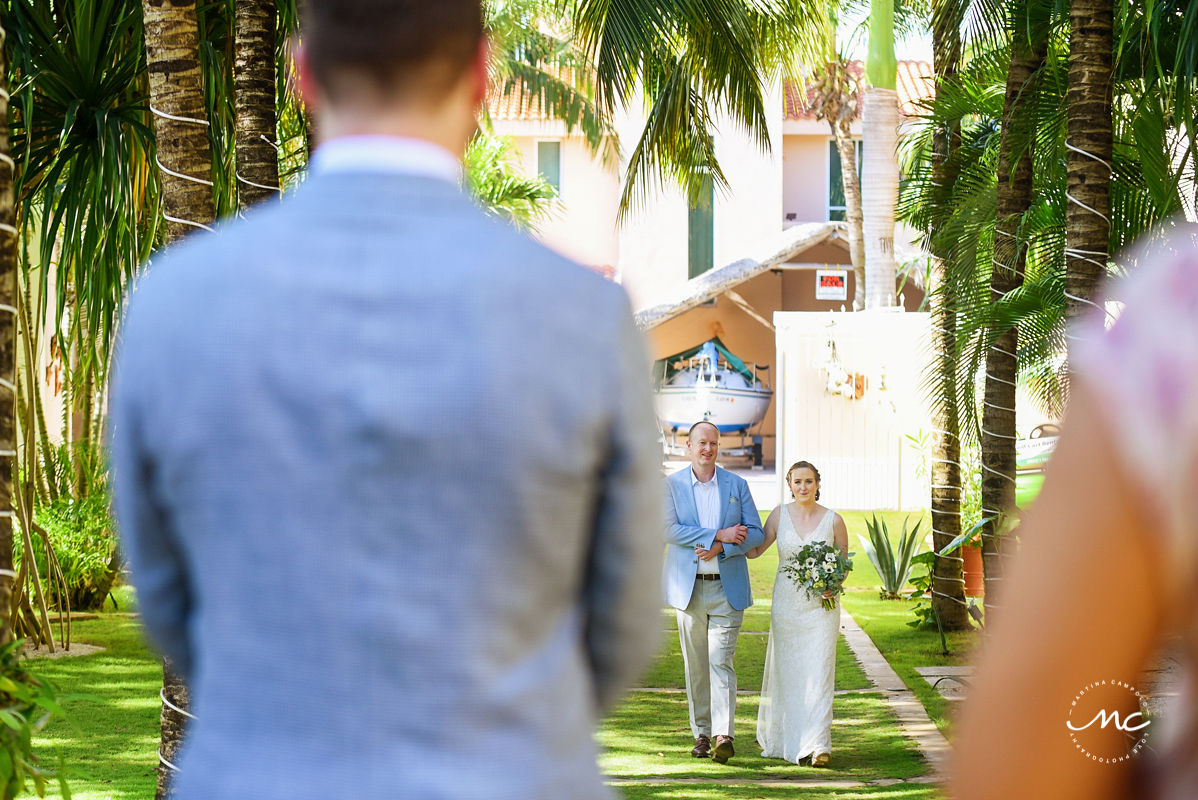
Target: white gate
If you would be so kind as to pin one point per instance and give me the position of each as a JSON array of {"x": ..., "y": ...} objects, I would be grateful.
[{"x": 858, "y": 436}]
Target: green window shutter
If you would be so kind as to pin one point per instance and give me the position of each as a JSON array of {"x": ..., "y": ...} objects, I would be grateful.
[
  {"x": 700, "y": 232},
  {"x": 549, "y": 163},
  {"x": 836, "y": 201}
]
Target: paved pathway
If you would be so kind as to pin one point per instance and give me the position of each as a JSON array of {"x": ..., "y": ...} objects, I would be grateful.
[{"x": 913, "y": 719}]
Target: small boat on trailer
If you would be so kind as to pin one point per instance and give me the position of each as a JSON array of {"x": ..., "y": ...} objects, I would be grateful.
[{"x": 708, "y": 382}]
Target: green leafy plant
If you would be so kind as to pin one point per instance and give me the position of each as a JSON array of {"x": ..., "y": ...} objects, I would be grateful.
[
  {"x": 892, "y": 565},
  {"x": 26, "y": 704},
  {"x": 81, "y": 536},
  {"x": 921, "y": 587},
  {"x": 493, "y": 176}
]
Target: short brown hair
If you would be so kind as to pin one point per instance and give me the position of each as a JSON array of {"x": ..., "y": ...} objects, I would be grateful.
[
  {"x": 405, "y": 48},
  {"x": 691, "y": 429}
]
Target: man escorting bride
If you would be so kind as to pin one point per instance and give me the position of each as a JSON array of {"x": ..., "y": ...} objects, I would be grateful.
[
  {"x": 710, "y": 522},
  {"x": 794, "y": 720}
]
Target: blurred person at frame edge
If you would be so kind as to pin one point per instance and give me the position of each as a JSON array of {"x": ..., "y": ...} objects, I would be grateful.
[
  {"x": 386, "y": 470},
  {"x": 1106, "y": 575}
]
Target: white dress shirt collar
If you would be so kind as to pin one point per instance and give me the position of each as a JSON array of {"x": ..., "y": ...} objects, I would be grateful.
[
  {"x": 695, "y": 479},
  {"x": 391, "y": 154}
]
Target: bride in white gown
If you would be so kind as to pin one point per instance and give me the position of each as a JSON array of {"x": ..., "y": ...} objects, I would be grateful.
[{"x": 795, "y": 717}]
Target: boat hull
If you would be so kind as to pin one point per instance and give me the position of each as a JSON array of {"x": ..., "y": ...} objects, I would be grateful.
[{"x": 730, "y": 410}]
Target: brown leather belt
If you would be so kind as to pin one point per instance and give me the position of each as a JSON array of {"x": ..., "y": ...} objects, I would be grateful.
[{"x": 704, "y": 576}]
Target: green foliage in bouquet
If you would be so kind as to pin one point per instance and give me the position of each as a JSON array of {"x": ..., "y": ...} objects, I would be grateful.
[{"x": 892, "y": 565}]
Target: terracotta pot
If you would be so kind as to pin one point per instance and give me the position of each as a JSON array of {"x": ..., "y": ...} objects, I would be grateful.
[{"x": 975, "y": 576}]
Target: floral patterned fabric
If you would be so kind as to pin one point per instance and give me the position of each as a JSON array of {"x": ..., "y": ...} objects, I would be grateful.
[{"x": 1144, "y": 370}]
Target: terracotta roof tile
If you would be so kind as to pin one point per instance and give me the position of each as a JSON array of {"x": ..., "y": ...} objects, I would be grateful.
[
  {"x": 915, "y": 83},
  {"x": 513, "y": 107}
]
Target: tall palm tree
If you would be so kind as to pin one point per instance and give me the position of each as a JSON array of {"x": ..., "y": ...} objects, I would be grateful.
[
  {"x": 1090, "y": 142},
  {"x": 948, "y": 584},
  {"x": 87, "y": 210},
  {"x": 180, "y": 122},
  {"x": 1013, "y": 200},
  {"x": 880, "y": 168},
  {"x": 1155, "y": 117},
  {"x": 687, "y": 61},
  {"x": 836, "y": 102},
  {"x": 8, "y": 353},
  {"x": 255, "y": 120},
  {"x": 537, "y": 63},
  {"x": 185, "y": 161}
]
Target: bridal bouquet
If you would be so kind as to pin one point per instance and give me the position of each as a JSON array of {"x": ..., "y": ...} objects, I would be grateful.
[{"x": 818, "y": 568}]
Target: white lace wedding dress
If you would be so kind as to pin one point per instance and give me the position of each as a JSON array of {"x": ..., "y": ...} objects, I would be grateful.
[{"x": 795, "y": 716}]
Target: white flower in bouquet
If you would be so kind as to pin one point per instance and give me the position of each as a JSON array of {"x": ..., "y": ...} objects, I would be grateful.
[{"x": 818, "y": 568}]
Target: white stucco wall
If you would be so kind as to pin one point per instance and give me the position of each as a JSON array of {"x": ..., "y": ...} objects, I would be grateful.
[
  {"x": 583, "y": 226},
  {"x": 653, "y": 240},
  {"x": 805, "y": 178}
]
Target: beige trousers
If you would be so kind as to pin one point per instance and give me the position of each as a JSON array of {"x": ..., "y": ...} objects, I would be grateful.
[{"x": 707, "y": 630}]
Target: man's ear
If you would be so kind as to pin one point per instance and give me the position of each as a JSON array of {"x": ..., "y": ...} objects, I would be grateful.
[
  {"x": 480, "y": 77},
  {"x": 309, "y": 90}
]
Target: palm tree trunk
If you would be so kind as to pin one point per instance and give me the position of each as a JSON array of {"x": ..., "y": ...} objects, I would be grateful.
[
  {"x": 852, "y": 208},
  {"x": 254, "y": 97},
  {"x": 1015, "y": 184},
  {"x": 185, "y": 161},
  {"x": 8, "y": 357},
  {"x": 838, "y": 105},
  {"x": 880, "y": 169},
  {"x": 180, "y": 123},
  {"x": 1088, "y": 142},
  {"x": 948, "y": 582}
]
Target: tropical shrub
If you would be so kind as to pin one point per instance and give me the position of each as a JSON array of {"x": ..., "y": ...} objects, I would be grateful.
[
  {"x": 84, "y": 546},
  {"x": 892, "y": 565}
]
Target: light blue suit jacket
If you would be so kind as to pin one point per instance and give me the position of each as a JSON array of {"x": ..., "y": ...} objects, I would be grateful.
[
  {"x": 386, "y": 473},
  {"x": 683, "y": 534}
]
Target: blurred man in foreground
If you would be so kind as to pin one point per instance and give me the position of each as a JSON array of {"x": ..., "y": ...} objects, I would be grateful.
[{"x": 386, "y": 470}]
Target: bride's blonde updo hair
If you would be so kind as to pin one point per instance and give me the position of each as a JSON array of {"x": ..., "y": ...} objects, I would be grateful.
[{"x": 802, "y": 465}]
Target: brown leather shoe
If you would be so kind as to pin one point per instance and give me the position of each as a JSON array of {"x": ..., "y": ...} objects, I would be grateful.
[
  {"x": 723, "y": 749},
  {"x": 702, "y": 748}
]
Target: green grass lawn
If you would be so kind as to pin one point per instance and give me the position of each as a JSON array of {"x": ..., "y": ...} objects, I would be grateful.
[
  {"x": 111, "y": 740},
  {"x": 110, "y": 743},
  {"x": 649, "y": 737},
  {"x": 751, "y": 792}
]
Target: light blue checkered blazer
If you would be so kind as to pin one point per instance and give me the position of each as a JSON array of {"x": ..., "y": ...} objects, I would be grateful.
[{"x": 386, "y": 474}]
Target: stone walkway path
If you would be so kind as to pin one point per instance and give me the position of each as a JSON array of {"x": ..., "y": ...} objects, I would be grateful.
[
  {"x": 910, "y": 714},
  {"x": 913, "y": 719}
]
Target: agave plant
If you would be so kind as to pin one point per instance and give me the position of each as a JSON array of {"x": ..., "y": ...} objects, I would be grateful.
[{"x": 892, "y": 565}]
